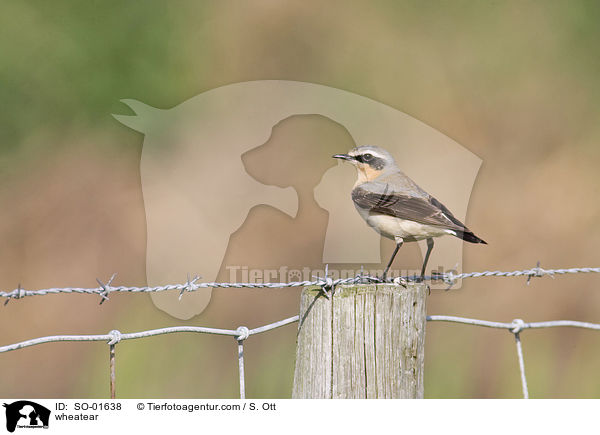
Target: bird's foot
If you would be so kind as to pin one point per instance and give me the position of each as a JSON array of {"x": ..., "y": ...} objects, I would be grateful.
[
  {"x": 416, "y": 278},
  {"x": 384, "y": 277},
  {"x": 400, "y": 281}
]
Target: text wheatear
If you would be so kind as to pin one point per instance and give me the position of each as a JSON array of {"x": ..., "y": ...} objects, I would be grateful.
[{"x": 392, "y": 204}]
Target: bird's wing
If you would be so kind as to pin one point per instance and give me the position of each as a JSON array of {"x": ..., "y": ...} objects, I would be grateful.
[{"x": 425, "y": 210}]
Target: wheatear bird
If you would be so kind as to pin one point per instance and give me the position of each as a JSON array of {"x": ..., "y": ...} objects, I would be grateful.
[{"x": 393, "y": 204}]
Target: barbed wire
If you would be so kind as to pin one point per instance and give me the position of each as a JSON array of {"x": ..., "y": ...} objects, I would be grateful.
[
  {"x": 327, "y": 284},
  {"x": 193, "y": 284}
]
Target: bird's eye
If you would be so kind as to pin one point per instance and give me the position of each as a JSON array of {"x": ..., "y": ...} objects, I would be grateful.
[{"x": 367, "y": 157}]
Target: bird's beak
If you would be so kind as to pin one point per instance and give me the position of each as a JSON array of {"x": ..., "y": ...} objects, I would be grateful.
[{"x": 343, "y": 156}]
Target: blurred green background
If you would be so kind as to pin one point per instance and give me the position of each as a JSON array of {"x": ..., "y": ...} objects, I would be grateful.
[{"x": 515, "y": 82}]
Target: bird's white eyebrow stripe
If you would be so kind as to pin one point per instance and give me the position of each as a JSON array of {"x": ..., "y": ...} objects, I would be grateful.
[{"x": 363, "y": 152}]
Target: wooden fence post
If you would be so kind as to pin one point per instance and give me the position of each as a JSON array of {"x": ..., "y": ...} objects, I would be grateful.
[{"x": 367, "y": 341}]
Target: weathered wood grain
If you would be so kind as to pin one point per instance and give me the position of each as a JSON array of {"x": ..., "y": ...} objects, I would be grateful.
[{"x": 366, "y": 342}]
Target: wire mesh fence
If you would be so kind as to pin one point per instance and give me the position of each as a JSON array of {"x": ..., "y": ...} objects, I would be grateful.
[{"x": 328, "y": 286}]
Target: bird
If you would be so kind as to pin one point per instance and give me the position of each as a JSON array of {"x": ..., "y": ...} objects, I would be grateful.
[{"x": 396, "y": 207}]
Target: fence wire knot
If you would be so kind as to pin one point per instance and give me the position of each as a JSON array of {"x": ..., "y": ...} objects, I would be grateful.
[
  {"x": 518, "y": 326},
  {"x": 243, "y": 332},
  {"x": 116, "y": 337}
]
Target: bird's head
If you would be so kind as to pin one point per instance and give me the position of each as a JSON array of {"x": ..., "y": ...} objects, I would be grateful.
[{"x": 370, "y": 161}]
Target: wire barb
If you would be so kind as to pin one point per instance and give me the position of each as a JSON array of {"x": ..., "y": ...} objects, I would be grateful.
[
  {"x": 190, "y": 285},
  {"x": 537, "y": 272},
  {"x": 106, "y": 288},
  {"x": 15, "y": 294},
  {"x": 327, "y": 282}
]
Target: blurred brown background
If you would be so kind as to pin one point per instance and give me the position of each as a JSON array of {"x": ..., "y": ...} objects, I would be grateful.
[{"x": 515, "y": 82}]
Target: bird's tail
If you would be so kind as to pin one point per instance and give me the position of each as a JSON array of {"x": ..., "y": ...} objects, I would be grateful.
[{"x": 468, "y": 236}]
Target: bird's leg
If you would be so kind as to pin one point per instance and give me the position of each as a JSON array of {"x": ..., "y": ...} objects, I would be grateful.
[
  {"x": 429, "y": 249},
  {"x": 399, "y": 243}
]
